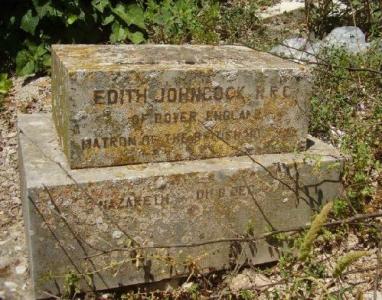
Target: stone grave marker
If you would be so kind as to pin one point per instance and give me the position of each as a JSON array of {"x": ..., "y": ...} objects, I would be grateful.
[
  {"x": 141, "y": 223},
  {"x": 117, "y": 105}
]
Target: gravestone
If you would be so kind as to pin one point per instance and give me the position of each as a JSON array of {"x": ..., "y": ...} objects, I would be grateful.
[
  {"x": 190, "y": 209},
  {"x": 117, "y": 105}
]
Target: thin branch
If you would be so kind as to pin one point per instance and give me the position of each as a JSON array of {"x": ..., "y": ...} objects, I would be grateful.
[
  {"x": 269, "y": 172},
  {"x": 74, "y": 234},
  {"x": 323, "y": 63},
  {"x": 243, "y": 240},
  {"x": 58, "y": 240}
]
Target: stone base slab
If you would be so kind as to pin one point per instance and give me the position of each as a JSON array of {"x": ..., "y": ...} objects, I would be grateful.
[{"x": 107, "y": 222}]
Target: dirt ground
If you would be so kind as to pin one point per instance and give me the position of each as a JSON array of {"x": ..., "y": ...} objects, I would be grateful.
[{"x": 26, "y": 96}]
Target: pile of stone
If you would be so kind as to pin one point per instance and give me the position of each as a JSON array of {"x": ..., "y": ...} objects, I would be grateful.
[
  {"x": 163, "y": 159},
  {"x": 349, "y": 38}
]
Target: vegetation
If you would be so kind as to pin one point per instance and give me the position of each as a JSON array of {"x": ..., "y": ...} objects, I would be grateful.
[
  {"x": 347, "y": 260},
  {"x": 347, "y": 110},
  {"x": 312, "y": 233},
  {"x": 29, "y": 28},
  {"x": 324, "y": 15},
  {"x": 5, "y": 85}
]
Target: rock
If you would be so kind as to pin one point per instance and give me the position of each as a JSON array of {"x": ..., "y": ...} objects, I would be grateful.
[
  {"x": 239, "y": 282},
  {"x": 248, "y": 279},
  {"x": 106, "y": 297},
  {"x": 299, "y": 49},
  {"x": 117, "y": 234},
  {"x": 187, "y": 285},
  {"x": 284, "y": 6},
  {"x": 12, "y": 286},
  {"x": 20, "y": 269},
  {"x": 352, "y": 240},
  {"x": 351, "y": 38},
  {"x": 370, "y": 295}
]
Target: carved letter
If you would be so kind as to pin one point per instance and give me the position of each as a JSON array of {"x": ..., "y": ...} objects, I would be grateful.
[
  {"x": 99, "y": 96},
  {"x": 112, "y": 96}
]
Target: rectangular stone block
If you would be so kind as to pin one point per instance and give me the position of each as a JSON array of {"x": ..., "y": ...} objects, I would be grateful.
[
  {"x": 125, "y": 104},
  {"x": 143, "y": 223}
]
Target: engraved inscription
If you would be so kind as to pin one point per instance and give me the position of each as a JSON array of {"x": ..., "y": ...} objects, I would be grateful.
[
  {"x": 173, "y": 139},
  {"x": 186, "y": 112},
  {"x": 234, "y": 191},
  {"x": 171, "y": 95},
  {"x": 134, "y": 200}
]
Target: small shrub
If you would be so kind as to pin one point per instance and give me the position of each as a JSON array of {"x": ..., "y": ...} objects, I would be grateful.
[
  {"x": 5, "y": 86},
  {"x": 32, "y": 59},
  {"x": 181, "y": 21},
  {"x": 239, "y": 21}
]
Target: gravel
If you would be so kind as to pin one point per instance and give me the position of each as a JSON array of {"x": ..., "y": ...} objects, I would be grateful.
[{"x": 28, "y": 95}]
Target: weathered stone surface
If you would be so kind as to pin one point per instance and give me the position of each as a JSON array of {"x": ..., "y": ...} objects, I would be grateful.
[
  {"x": 117, "y": 105},
  {"x": 91, "y": 211}
]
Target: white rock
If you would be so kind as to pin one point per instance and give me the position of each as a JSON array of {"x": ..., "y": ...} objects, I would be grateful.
[
  {"x": 187, "y": 285},
  {"x": 285, "y": 6},
  {"x": 117, "y": 234},
  {"x": 20, "y": 269},
  {"x": 299, "y": 49},
  {"x": 107, "y": 297},
  {"x": 10, "y": 285},
  {"x": 248, "y": 279},
  {"x": 351, "y": 38},
  {"x": 370, "y": 295},
  {"x": 352, "y": 240},
  {"x": 240, "y": 282}
]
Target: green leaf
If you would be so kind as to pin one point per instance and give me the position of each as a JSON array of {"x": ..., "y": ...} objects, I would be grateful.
[
  {"x": 26, "y": 59},
  {"x": 42, "y": 10},
  {"x": 71, "y": 19},
  {"x": 5, "y": 84},
  {"x": 100, "y": 5},
  {"x": 47, "y": 9},
  {"x": 108, "y": 20},
  {"x": 47, "y": 61},
  {"x": 131, "y": 14},
  {"x": 27, "y": 69},
  {"x": 136, "y": 37},
  {"x": 22, "y": 59},
  {"x": 39, "y": 51},
  {"x": 29, "y": 22},
  {"x": 137, "y": 16},
  {"x": 118, "y": 33}
]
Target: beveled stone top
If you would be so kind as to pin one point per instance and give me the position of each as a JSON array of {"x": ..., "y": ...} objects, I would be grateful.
[
  {"x": 127, "y": 57},
  {"x": 45, "y": 163}
]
